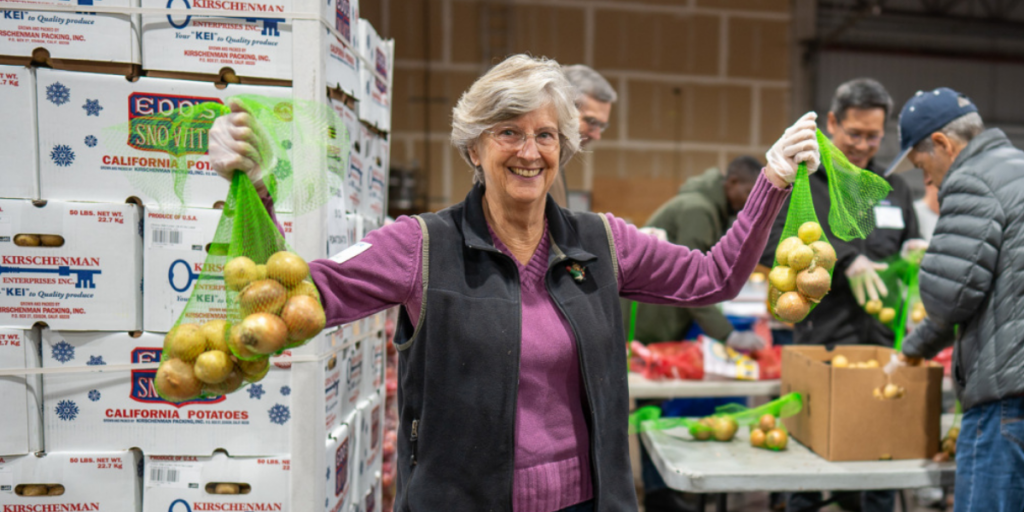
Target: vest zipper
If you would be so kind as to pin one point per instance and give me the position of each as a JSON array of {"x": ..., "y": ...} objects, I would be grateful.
[
  {"x": 413, "y": 437},
  {"x": 583, "y": 377},
  {"x": 515, "y": 408}
]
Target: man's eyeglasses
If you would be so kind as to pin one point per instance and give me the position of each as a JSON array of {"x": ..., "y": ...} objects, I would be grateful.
[
  {"x": 872, "y": 139},
  {"x": 594, "y": 124},
  {"x": 512, "y": 138}
]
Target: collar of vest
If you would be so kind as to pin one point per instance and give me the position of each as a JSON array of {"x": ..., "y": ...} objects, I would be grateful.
[{"x": 564, "y": 240}]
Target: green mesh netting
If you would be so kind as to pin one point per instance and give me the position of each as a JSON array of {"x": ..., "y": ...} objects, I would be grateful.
[
  {"x": 853, "y": 192},
  {"x": 648, "y": 418},
  {"x": 902, "y": 309},
  {"x": 302, "y": 148},
  {"x": 254, "y": 297},
  {"x": 801, "y": 275}
]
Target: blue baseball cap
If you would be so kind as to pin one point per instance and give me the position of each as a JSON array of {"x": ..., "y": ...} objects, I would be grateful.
[{"x": 925, "y": 114}]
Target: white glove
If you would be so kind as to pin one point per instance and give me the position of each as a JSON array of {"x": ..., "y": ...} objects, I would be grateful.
[
  {"x": 658, "y": 233},
  {"x": 912, "y": 245},
  {"x": 798, "y": 144},
  {"x": 894, "y": 363},
  {"x": 863, "y": 276},
  {"x": 233, "y": 145},
  {"x": 744, "y": 340}
]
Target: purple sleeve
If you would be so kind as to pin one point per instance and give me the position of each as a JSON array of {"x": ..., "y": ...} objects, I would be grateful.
[
  {"x": 387, "y": 274},
  {"x": 662, "y": 273}
]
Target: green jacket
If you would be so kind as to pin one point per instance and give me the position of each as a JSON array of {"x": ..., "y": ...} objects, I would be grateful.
[{"x": 696, "y": 218}]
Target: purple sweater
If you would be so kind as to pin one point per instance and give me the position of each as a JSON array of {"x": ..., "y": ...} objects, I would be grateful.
[{"x": 552, "y": 441}]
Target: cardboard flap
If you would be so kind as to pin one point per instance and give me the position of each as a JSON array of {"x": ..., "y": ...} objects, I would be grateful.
[{"x": 803, "y": 372}]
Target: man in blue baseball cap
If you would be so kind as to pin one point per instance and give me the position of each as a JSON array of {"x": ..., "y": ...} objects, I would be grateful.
[{"x": 972, "y": 283}]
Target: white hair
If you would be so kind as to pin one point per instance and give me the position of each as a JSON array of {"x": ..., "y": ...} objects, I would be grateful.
[
  {"x": 590, "y": 82},
  {"x": 517, "y": 86},
  {"x": 963, "y": 129}
]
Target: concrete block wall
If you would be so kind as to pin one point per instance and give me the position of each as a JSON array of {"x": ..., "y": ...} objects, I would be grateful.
[{"x": 699, "y": 81}]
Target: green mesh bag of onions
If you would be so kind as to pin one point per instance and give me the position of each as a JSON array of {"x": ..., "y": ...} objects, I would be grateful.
[
  {"x": 804, "y": 259},
  {"x": 254, "y": 297}
]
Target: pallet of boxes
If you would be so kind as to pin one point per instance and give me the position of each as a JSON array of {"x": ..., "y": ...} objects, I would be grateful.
[{"x": 95, "y": 270}]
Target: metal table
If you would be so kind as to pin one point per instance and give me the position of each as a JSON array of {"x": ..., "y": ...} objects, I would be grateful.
[
  {"x": 711, "y": 467},
  {"x": 641, "y": 388}
]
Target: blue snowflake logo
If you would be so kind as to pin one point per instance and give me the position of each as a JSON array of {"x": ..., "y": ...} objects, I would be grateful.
[
  {"x": 285, "y": 390},
  {"x": 90, "y": 141},
  {"x": 63, "y": 352},
  {"x": 58, "y": 94},
  {"x": 62, "y": 155},
  {"x": 92, "y": 108},
  {"x": 94, "y": 395},
  {"x": 279, "y": 414},
  {"x": 256, "y": 391},
  {"x": 67, "y": 410},
  {"x": 96, "y": 361},
  {"x": 283, "y": 169}
]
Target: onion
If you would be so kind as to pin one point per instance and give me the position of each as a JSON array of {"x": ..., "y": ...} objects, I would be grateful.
[{"x": 263, "y": 333}]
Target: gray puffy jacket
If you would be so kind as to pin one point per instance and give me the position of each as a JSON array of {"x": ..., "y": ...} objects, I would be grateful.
[{"x": 973, "y": 272}]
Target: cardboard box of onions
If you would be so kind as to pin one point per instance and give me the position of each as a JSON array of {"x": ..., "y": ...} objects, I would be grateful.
[{"x": 853, "y": 411}]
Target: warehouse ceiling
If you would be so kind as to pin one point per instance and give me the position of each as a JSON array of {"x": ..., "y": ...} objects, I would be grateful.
[{"x": 971, "y": 28}]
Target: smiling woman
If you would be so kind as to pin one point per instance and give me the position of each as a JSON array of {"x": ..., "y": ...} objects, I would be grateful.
[{"x": 512, "y": 389}]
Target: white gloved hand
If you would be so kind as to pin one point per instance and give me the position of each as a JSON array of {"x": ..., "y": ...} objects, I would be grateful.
[
  {"x": 744, "y": 340},
  {"x": 798, "y": 144},
  {"x": 894, "y": 363},
  {"x": 658, "y": 233},
  {"x": 863, "y": 276},
  {"x": 913, "y": 245},
  {"x": 233, "y": 145}
]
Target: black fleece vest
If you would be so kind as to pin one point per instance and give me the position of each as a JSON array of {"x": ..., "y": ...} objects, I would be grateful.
[{"x": 459, "y": 367}]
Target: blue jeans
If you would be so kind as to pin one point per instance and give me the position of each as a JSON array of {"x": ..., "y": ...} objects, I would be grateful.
[
  {"x": 586, "y": 506},
  {"x": 990, "y": 458}
]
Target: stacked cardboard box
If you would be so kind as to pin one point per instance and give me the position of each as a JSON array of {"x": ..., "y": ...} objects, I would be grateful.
[{"x": 99, "y": 253}]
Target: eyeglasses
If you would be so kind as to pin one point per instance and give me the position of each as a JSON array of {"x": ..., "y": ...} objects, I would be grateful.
[
  {"x": 594, "y": 124},
  {"x": 512, "y": 138},
  {"x": 871, "y": 139}
]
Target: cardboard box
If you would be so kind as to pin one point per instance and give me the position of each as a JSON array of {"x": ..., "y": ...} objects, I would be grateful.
[
  {"x": 342, "y": 71},
  {"x": 18, "y": 132},
  {"x": 174, "y": 483},
  {"x": 81, "y": 154},
  {"x": 841, "y": 420},
  {"x": 352, "y": 357},
  {"x": 91, "y": 282},
  {"x": 336, "y": 404},
  {"x": 375, "y": 205},
  {"x": 375, "y": 102},
  {"x": 258, "y": 46},
  {"x": 374, "y": 351},
  {"x": 21, "y": 423},
  {"x": 104, "y": 410},
  {"x": 340, "y": 455},
  {"x": 371, "y": 437},
  {"x": 357, "y": 177},
  {"x": 338, "y": 236},
  {"x": 372, "y": 499},
  {"x": 77, "y": 36},
  {"x": 175, "y": 249},
  {"x": 104, "y": 481}
]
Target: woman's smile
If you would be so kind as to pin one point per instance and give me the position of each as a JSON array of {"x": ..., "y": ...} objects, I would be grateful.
[{"x": 526, "y": 172}]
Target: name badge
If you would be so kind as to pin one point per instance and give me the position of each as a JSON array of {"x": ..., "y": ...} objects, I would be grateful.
[{"x": 889, "y": 217}]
